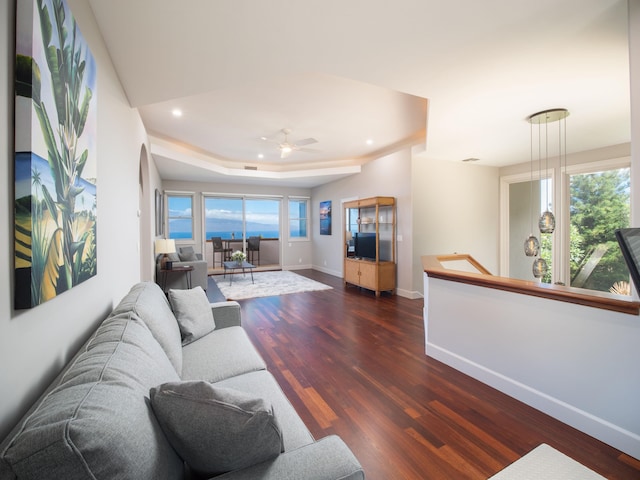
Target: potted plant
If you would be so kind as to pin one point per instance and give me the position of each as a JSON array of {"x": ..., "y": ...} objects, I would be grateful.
[{"x": 238, "y": 257}]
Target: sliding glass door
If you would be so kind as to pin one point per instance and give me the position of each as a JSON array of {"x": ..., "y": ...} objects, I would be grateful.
[
  {"x": 223, "y": 217},
  {"x": 236, "y": 219}
]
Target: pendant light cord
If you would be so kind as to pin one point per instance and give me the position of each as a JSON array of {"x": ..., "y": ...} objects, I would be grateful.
[
  {"x": 531, "y": 181},
  {"x": 546, "y": 165}
]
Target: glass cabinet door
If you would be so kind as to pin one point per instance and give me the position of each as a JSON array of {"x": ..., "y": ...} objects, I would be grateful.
[
  {"x": 385, "y": 233},
  {"x": 375, "y": 222}
]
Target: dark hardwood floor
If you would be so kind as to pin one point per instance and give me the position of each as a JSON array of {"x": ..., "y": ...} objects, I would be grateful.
[{"x": 354, "y": 365}]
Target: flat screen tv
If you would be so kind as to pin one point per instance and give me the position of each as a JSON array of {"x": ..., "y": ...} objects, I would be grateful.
[
  {"x": 365, "y": 246},
  {"x": 629, "y": 241}
]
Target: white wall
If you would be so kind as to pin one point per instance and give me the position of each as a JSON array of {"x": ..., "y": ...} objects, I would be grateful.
[
  {"x": 386, "y": 176},
  {"x": 578, "y": 364},
  {"x": 295, "y": 254},
  {"x": 455, "y": 210},
  {"x": 36, "y": 343}
]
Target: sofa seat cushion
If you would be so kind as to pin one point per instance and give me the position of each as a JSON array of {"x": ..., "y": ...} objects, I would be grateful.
[
  {"x": 97, "y": 422},
  {"x": 221, "y": 354},
  {"x": 149, "y": 302},
  {"x": 263, "y": 385},
  {"x": 215, "y": 429}
]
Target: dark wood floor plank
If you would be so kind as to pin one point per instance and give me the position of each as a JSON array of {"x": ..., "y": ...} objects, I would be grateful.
[{"x": 354, "y": 365}]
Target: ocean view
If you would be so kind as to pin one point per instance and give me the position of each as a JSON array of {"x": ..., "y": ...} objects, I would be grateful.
[{"x": 227, "y": 235}]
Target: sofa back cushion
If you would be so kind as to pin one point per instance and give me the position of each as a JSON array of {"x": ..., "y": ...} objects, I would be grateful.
[
  {"x": 98, "y": 422},
  {"x": 193, "y": 313},
  {"x": 149, "y": 303}
]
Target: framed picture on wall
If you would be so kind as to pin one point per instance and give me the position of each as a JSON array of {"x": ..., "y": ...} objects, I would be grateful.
[
  {"x": 159, "y": 213},
  {"x": 55, "y": 154},
  {"x": 325, "y": 218}
]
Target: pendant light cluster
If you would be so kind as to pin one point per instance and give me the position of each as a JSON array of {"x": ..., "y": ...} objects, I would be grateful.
[{"x": 547, "y": 221}]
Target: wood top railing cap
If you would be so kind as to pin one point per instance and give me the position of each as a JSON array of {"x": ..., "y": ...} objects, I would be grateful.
[{"x": 434, "y": 268}]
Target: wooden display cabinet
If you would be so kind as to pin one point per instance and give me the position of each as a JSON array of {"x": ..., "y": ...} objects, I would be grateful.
[{"x": 370, "y": 243}]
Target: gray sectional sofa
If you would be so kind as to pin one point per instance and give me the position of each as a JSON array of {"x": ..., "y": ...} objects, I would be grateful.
[{"x": 162, "y": 393}]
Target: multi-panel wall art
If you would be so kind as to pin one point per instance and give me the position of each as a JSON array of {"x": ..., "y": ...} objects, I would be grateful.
[{"x": 55, "y": 153}]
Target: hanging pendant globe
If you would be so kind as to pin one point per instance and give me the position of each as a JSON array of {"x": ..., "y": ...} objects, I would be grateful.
[
  {"x": 547, "y": 222},
  {"x": 539, "y": 267},
  {"x": 531, "y": 246}
]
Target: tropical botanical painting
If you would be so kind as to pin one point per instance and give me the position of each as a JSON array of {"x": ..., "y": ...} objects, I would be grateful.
[
  {"x": 55, "y": 153},
  {"x": 325, "y": 218}
]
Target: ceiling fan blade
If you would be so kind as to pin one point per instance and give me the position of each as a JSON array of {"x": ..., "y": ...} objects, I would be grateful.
[
  {"x": 308, "y": 150},
  {"x": 274, "y": 137},
  {"x": 306, "y": 141}
]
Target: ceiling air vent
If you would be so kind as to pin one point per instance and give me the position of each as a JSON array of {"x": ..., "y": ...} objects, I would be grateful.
[{"x": 248, "y": 167}]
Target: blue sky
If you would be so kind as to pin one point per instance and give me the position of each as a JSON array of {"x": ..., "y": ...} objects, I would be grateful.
[{"x": 258, "y": 211}]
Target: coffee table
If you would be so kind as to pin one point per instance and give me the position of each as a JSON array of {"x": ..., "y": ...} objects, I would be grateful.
[{"x": 233, "y": 266}]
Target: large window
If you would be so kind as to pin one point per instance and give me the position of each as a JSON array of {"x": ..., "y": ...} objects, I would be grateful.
[
  {"x": 600, "y": 204},
  {"x": 180, "y": 216},
  {"x": 298, "y": 218},
  {"x": 582, "y": 251}
]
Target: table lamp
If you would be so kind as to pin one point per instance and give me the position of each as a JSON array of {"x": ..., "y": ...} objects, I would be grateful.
[{"x": 165, "y": 246}]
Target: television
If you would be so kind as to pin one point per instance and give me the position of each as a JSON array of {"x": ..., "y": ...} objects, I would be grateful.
[
  {"x": 365, "y": 245},
  {"x": 629, "y": 241}
]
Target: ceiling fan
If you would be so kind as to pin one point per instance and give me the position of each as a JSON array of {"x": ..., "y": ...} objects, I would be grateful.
[{"x": 286, "y": 147}]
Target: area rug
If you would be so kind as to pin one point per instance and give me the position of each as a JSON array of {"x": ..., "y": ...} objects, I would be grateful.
[
  {"x": 265, "y": 284},
  {"x": 546, "y": 463}
]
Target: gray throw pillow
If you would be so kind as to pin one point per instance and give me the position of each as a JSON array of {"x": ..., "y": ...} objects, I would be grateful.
[
  {"x": 187, "y": 254},
  {"x": 216, "y": 429},
  {"x": 193, "y": 313},
  {"x": 174, "y": 257}
]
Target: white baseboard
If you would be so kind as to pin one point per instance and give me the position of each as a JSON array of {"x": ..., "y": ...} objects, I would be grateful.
[
  {"x": 296, "y": 267},
  {"x": 603, "y": 430},
  {"x": 328, "y": 271},
  {"x": 410, "y": 294}
]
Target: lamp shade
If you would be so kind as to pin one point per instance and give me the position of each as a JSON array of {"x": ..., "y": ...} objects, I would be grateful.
[
  {"x": 164, "y": 245},
  {"x": 348, "y": 236}
]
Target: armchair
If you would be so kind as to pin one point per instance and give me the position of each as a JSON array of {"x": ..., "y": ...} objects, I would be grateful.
[{"x": 185, "y": 256}]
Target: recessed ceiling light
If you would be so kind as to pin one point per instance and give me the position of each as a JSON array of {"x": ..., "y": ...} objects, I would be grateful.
[
  {"x": 176, "y": 112},
  {"x": 261, "y": 156},
  {"x": 369, "y": 142}
]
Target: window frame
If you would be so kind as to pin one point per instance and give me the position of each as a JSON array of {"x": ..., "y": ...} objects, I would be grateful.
[
  {"x": 560, "y": 176},
  {"x": 169, "y": 217},
  {"x": 581, "y": 169},
  {"x": 290, "y": 218}
]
